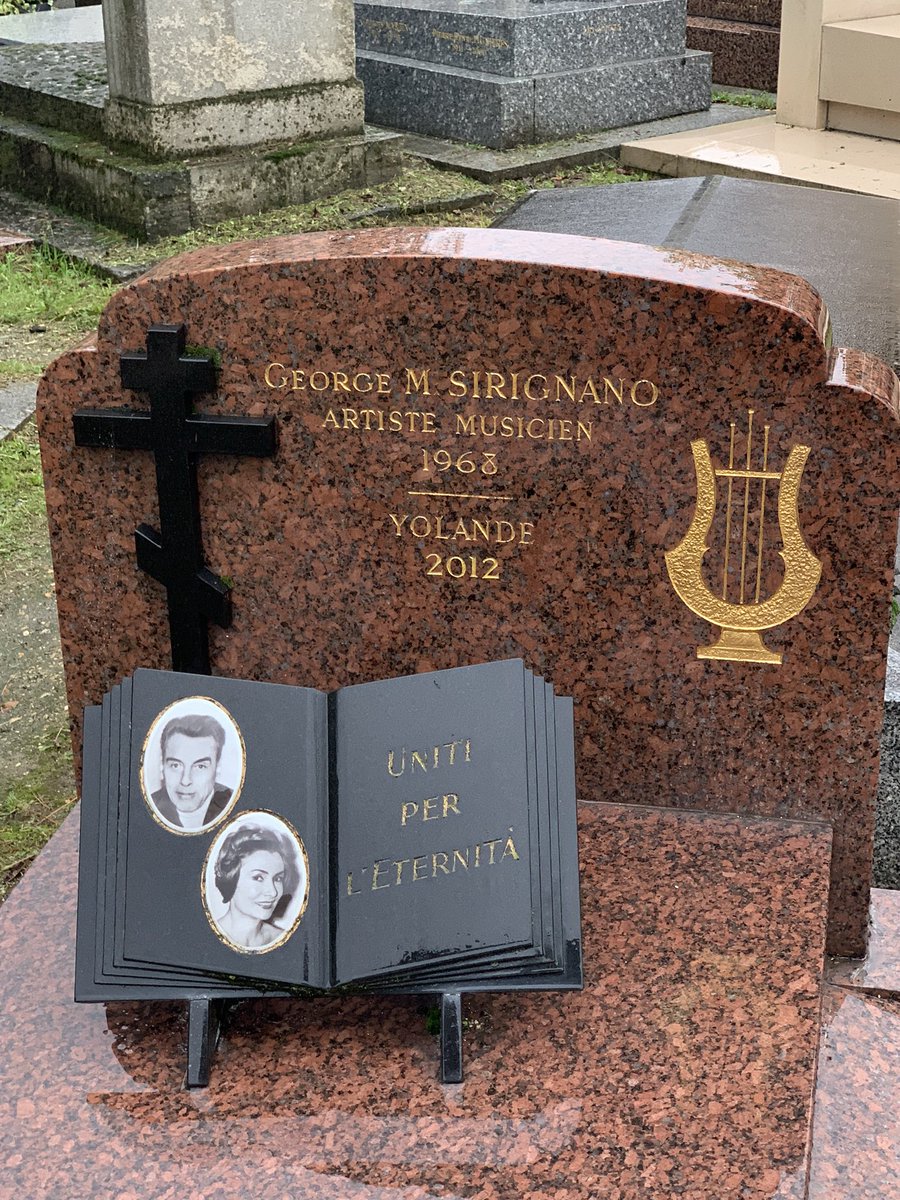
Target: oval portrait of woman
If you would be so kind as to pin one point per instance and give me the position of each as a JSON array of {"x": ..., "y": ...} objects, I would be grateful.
[
  {"x": 192, "y": 765},
  {"x": 255, "y": 882}
]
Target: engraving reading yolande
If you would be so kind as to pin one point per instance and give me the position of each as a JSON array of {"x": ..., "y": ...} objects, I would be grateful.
[{"x": 457, "y": 423}]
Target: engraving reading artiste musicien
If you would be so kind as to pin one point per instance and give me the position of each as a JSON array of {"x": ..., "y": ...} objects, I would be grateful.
[
  {"x": 395, "y": 871},
  {"x": 364, "y": 402}
]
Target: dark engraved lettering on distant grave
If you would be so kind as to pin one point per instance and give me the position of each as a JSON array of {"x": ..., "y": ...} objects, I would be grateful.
[{"x": 175, "y": 436}]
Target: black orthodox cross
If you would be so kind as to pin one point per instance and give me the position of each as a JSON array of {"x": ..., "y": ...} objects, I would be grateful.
[{"x": 174, "y": 555}]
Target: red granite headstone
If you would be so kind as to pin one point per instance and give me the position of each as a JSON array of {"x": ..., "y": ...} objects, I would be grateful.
[{"x": 642, "y": 470}]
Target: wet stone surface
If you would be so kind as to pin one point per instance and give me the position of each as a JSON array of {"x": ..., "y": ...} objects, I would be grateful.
[
  {"x": 328, "y": 543},
  {"x": 685, "y": 1067},
  {"x": 68, "y": 72}
]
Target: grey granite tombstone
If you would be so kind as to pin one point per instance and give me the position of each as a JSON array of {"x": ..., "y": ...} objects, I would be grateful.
[{"x": 506, "y": 72}]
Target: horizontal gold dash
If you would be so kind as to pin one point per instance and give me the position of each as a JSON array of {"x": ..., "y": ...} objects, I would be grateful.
[{"x": 460, "y": 496}]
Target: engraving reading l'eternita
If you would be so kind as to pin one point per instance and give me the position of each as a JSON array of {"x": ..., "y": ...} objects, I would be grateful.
[{"x": 395, "y": 871}]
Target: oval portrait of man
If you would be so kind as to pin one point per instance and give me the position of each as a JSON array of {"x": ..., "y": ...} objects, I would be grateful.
[
  {"x": 192, "y": 766},
  {"x": 255, "y": 882}
]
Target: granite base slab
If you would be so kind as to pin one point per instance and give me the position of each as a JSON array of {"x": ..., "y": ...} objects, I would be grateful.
[
  {"x": 855, "y": 1142},
  {"x": 744, "y": 55},
  {"x": 500, "y": 112},
  {"x": 758, "y": 12},
  {"x": 686, "y": 1067},
  {"x": 520, "y": 38},
  {"x": 491, "y": 166}
]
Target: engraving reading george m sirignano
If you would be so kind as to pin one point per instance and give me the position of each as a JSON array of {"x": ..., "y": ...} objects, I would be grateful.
[{"x": 459, "y": 479}]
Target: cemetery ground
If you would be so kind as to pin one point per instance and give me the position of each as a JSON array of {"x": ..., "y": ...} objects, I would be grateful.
[{"x": 48, "y": 302}]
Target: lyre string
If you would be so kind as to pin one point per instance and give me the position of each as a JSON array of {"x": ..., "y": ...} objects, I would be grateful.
[
  {"x": 746, "y": 502},
  {"x": 728, "y": 516},
  {"x": 762, "y": 513}
]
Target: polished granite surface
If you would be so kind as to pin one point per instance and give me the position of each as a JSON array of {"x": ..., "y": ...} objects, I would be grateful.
[
  {"x": 761, "y": 149},
  {"x": 332, "y": 546},
  {"x": 685, "y": 1068}
]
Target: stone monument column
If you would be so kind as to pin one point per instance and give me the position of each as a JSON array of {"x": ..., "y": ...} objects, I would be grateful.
[{"x": 212, "y": 75}]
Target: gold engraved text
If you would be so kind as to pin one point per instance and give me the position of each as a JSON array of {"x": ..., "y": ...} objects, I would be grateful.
[
  {"x": 441, "y": 529},
  {"x": 448, "y": 754},
  {"x": 397, "y": 872},
  {"x": 380, "y": 420},
  {"x": 432, "y": 808}
]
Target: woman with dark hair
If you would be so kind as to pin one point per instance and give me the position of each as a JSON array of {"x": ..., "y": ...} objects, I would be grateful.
[{"x": 256, "y": 874}]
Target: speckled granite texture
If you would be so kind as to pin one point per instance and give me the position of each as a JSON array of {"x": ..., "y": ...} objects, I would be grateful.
[
  {"x": 502, "y": 73},
  {"x": 757, "y": 12},
  {"x": 518, "y": 37},
  {"x": 743, "y": 55},
  {"x": 500, "y": 112},
  {"x": 685, "y": 1067},
  {"x": 743, "y": 38},
  {"x": 330, "y": 589},
  {"x": 856, "y": 1134}
]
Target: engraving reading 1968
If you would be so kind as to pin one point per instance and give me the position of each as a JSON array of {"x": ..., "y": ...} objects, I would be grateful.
[{"x": 467, "y": 478}]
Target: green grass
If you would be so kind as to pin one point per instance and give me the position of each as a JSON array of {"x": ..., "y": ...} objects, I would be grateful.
[
  {"x": 32, "y": 809},
  {"x": 11, "y": 370},
  {"x": 761, "y": 100},
  {"x": 43, "y": 287},
  {"x": 21, "y": 491}
]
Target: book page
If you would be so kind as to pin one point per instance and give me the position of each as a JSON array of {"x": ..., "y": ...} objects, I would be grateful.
[{"x": 430, "y": 819}]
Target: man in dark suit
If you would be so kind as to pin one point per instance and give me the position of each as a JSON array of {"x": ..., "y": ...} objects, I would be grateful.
[{"x": 190, "y": 797}]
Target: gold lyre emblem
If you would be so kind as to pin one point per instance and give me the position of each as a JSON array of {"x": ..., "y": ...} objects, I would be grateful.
[{"x": 740, "y": 623}]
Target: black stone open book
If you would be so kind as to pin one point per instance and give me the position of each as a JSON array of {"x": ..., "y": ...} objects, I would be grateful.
[{"x": 416, "y": 834}]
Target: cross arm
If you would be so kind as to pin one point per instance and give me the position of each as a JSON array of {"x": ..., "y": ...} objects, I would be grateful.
[
  {"x": 253, "y": 436},
  {"x": 212, "y": 594},
  {"x": 121, "y": 429}
]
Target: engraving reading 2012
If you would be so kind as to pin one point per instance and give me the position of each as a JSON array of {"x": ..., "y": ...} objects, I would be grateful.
[
  {"x": 394, "y": 872},
  {"x": 364, "y": 402}
]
